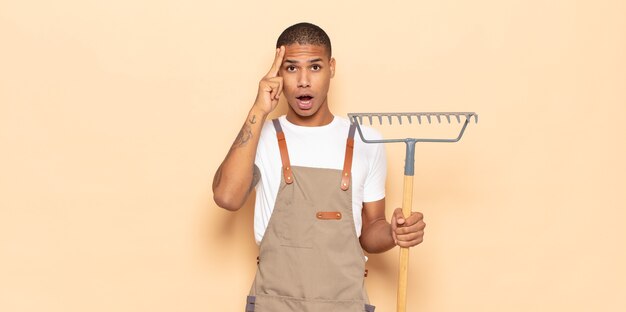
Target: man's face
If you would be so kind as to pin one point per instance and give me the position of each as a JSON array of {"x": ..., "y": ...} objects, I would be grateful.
[{"x": 306, "y": 71}]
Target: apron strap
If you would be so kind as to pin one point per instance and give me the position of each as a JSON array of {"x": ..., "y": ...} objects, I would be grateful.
[
  {"x": 284, "y": 155},
  {"x": 347, "y": 163}
]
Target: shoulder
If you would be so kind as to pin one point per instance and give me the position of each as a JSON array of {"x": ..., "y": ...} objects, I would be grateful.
[
  {"x": 267, "y": 139},
  {"x": 364, "y": 132},
  {"x": 268, "y": 130},
  {"x": 368, "y": 132}
]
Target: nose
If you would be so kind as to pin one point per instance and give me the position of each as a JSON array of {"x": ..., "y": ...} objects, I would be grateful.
[{"x": 303, "y": 80}]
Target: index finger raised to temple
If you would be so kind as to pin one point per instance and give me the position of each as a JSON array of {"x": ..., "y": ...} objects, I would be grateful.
[{"x": 278, "y": 61}]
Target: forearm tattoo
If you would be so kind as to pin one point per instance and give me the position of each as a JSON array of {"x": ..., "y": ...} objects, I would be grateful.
[
  {"x": 256, "y": 176},
  {"x": 245, "y": 134}
]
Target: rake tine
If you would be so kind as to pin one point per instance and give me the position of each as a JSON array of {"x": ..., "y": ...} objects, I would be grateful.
[
  {"x": 439, "y": 118},
  {"x": 419, "y": 119},
  {"x": 370, "y": 118},
  {"x": 399, "y": 118},
  {"x": 380, "y": 119},
  {"x": 448, "y": 117},
  {"x": 458, "y": 118},
  {"x": 409, "y": 118},
  {"x": 428, "y": 117},
  {"x": 388, "y": 119}
]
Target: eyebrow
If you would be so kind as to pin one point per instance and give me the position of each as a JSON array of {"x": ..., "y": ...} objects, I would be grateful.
[{"x": 319, "y": 59}]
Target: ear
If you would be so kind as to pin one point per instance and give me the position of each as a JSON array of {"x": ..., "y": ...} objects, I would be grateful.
[{"x": 332, "y": 67}]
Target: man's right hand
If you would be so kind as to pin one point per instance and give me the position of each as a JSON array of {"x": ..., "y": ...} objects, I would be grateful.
[{"x": 271, "y": 86}]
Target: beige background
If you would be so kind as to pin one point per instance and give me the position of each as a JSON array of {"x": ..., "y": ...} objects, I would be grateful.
[{"x": 114, "y": 116}]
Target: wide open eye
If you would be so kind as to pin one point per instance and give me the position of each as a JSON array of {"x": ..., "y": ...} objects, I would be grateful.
[
  {"x": 316, "y": 67},
  {"x": 291, "y": 68}
]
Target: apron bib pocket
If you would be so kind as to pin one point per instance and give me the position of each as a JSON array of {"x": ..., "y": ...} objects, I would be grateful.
[{"x": 294, "y": 227}]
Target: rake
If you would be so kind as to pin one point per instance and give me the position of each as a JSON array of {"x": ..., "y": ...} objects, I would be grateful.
[{"x": 409, "y": 166}]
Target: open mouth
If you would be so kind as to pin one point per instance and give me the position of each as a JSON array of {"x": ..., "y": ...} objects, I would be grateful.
[{"x": 305, "y": 101}]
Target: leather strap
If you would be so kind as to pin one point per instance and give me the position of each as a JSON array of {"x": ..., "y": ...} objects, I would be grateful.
[
  {"x": 346, "y": 174},
  {"x": 284, "y": 154},
  {"x": 329, "y": 215}
]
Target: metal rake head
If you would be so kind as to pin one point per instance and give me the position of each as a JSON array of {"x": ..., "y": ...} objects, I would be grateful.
[
  {"x": 409, "y": 116},
  {"x": 409, "y": 165},
  {"x": 359, "y": 118}
]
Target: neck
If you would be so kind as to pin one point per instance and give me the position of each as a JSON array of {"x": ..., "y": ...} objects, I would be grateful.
[{"x": 322, "y": 117}]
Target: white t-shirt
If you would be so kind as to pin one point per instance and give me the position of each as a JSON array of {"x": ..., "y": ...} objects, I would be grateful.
[{"x": 318, "y": 147}]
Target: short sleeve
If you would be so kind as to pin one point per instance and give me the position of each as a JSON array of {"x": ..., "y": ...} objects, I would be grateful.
[{"x": 374, "y": 186}]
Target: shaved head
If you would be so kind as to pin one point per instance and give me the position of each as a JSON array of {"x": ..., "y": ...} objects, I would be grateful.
[{"x": 304, "y": 33}]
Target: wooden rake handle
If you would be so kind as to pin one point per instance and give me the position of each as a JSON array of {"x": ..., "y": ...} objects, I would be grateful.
[{"x": 403, "y": 270}]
